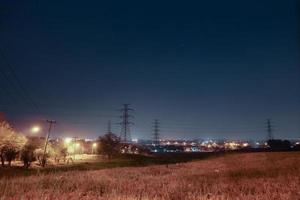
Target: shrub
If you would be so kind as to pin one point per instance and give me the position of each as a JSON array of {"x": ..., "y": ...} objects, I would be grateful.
[
  {"x": 27, "y": 155},
  {"x": 279, "y": 144},
  {"x": 109, "y": 145}
]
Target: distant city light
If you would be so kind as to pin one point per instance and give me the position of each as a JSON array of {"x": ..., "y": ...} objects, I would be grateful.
[
  {"x": 135, "y": 140},
  {"x": 245, "y": 144},
  {"x": 68, "y": 140},
  {"x": 94, "y": 145}
]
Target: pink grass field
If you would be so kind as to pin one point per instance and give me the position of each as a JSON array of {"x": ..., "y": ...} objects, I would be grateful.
[{"x": 250, "y": 176}]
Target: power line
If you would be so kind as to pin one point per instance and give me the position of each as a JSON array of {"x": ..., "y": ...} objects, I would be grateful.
[
  {"x": 156, "y": 131},
  {"x": 13, "y": 85},
  {"x": 17, "y": 84},
  {"x": 125, "y": 124},
  {"x": 5, "y": 90},
  {"x": 269, "y": 130}
]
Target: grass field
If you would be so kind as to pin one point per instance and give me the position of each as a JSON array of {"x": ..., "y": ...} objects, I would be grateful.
[
  {"x": 235, "y": 176},
  {"x": 93, "y": 162}
]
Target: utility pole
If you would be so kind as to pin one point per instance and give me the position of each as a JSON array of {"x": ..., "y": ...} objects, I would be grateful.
[
  {"x": 269, "y": 129},
  {"x": 125, "y": 124},
  {"x": 156, "y": 132},
  {"x": 51, "y": 123},
  {"x": 75, "y": 147}
]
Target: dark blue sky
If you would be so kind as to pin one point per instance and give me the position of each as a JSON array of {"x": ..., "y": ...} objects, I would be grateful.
[{"x": 211, "y": 69}]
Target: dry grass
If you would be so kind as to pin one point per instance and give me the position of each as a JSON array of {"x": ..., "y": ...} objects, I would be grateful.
[{"x": 238, "y": 176}]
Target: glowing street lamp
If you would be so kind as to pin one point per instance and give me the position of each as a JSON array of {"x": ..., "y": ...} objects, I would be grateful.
[
  {"x": 245, "y": 144},
  {"x": 68, "y": 140},
  {"x": 94, "y": 146},
  {"x": 35, "y": 129}
]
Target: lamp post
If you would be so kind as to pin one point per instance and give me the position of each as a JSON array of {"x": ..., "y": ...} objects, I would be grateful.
[
  {"x": 74, "y": 147},
  {"x": 94, "y": 146}
]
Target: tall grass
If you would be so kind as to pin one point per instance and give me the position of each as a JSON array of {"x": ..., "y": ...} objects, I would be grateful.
[{"x": 239, "y": 176}]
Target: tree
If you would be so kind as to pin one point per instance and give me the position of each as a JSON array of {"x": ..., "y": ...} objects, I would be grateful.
[
  {"x": 39, "y": 154},
  {"x": 5, "y": 130},
  {"x": 279, "y": 144},
  {"x": 27, "y": 155},
  {"x": 64, "y": 154},
  {"x": 38, "y": 144},
  {"x": 109, "y": 145},
  {"x": 11, "y": 143},
  {"x": 60, "y": 152},
  {"x": 10, "y": 153}
]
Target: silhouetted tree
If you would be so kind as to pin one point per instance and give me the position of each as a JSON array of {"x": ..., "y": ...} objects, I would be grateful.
[
  {"x": 27, "y": 155},
  {"x": 10, "y": 154},
  {"x": 279, "y": 144},
  {"x": 109, "y": 145},
  {"x": 64, "y": 154}
]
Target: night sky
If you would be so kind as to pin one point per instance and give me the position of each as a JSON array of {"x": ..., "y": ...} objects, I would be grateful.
[{"x": 205, "y": 69}]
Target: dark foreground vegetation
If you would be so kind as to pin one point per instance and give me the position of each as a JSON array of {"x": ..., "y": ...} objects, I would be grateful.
[{"x": 122, "y": 160}]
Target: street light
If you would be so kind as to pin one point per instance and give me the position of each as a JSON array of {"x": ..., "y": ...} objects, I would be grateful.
[
  {"x": 68, "y": 140},
  {"x": 35, "y": 129},
  {"x": 94, "y": 146}
]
